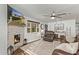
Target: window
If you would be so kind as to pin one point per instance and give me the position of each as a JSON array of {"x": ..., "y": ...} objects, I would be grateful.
[
  {"x": 37, "y": 27},
  {"x": 33, "y": 29},
  {"x": 32, "y": 26},
  {"x": 28, "y": 27}
]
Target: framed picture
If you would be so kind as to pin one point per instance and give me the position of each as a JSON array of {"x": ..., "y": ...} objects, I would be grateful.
[{"x": 58, "y": 26}]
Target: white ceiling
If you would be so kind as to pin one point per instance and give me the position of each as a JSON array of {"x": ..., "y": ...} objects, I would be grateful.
[{"x": 38, "y": 11}]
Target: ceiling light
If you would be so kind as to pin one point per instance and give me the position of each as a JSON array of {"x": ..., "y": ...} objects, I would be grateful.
[
  {"x": 52, "y": 17},
  {"x": 53, "y": 14}
]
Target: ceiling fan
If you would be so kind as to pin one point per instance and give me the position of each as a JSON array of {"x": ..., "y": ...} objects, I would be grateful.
[{"x": 54, "y": 15}]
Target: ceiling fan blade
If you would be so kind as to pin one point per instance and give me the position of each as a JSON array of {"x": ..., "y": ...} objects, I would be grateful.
[
  {"x": 59, "y": 17},
  {"x": 46, "y": 15},
  {"x": 62, "y": 14}
]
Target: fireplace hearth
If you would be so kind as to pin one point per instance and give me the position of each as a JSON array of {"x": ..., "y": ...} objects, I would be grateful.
[{"x": 16, "y": 38}]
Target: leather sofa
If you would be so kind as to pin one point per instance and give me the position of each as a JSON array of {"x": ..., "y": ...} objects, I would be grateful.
[{"x": 49, "y": 36}]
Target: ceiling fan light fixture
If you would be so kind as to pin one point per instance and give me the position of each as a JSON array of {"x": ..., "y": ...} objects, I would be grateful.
[
  {"x": 52, "y": 17},
  {"x": 53, "y": 14}
]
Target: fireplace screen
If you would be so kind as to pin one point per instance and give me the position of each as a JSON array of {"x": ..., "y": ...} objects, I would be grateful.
[{"x": 16, "y": 38}]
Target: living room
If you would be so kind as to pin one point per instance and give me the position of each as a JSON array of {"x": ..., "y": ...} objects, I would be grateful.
[{"x": 42, "y": 29}]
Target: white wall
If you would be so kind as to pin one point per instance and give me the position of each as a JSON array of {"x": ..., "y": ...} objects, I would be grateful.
[
  {"x": 32, "y": 36},
  {"x": 77, "y": 28},
  {"x": 67, "y": 25},
  {"x": 3, "y": 29}
]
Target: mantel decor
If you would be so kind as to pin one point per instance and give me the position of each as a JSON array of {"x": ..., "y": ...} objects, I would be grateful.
[{"x": 42, "y": 26}]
